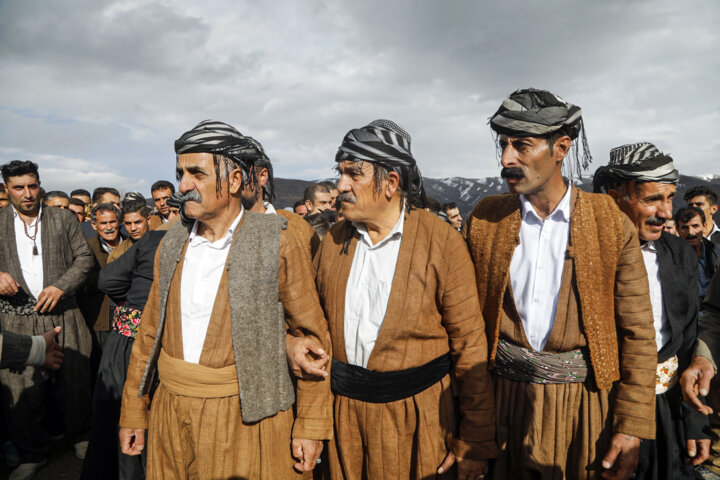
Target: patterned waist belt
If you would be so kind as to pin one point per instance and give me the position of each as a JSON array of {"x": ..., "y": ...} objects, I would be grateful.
[
  {"x": 666, "y": 375},
  {"x": 23, "y": 304},
  {"x": 126, "y": 321},
  {"x": 526, "y": 365},
  {"x": 382, "y": 387}
]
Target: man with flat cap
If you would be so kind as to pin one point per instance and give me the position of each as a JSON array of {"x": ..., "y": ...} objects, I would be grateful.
[
  {"x": 226, "y": 287},
  {"x": 396, "y": 284},
  {"x": 564, "y": 294},
  {"x": 643, "y": 181}
]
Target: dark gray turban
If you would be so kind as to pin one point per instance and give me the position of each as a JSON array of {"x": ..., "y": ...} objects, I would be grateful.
[
  {"x": 219, "y": 138},
  {"x": 385, "y": 143},
  {"x": 639, "y": 162},
  {"x": 539, "y": 113}
]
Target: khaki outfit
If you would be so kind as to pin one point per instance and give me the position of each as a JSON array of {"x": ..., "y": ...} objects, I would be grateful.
[
  {"x": 556, "y": 431},
  {"x": 432, "y": 309},
  {"x": 195, "y": 423}
]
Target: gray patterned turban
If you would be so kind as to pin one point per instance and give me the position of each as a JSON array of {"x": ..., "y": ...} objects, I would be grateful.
[
  {"x": 385, "y": 143},
  {"x": 539, "y": 113},
  {"x": 640, "y": 162},
  {"x": 221, "y": 139}
]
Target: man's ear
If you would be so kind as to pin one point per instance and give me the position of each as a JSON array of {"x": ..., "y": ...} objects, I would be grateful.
[
  {"x": 392, "y": 184},
  {"x": 713, "y": 209},
  {"x": 616, "y": 195},
  {"x": 562, "y": 147},
  {"x": 262, "y": 177},
  {"x": 235, "y": 181}
]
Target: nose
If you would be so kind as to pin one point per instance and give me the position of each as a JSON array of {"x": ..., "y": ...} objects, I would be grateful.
[
  {"x": 509, "y": 157},
  {"x": 343, "y": 185},
  {"x": 665, "y": 209},
  {"x": 185, "y": 185}
]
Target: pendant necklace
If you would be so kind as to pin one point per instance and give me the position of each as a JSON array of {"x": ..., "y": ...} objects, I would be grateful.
[{"x": 34, "y": 235}]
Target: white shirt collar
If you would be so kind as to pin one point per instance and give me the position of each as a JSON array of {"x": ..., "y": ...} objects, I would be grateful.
[
  {"x": 196, "y": 239},
  {"x": 395, "y": 232},
  {"x": 269, "y": 208},
  {"x": 561, "y": 212},
  {"x": 649, "y": 247},
  {"x": 16, "y": 215}
]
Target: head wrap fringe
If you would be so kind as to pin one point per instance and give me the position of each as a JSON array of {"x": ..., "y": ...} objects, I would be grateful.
[{"x": 538, "y": 113}]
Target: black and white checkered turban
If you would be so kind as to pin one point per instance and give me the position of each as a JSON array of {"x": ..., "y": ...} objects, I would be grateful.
[
  {"x": 640, "y": 162},
  {"x": 538, "y": 113},
  {"x": 385, "y": 143}
]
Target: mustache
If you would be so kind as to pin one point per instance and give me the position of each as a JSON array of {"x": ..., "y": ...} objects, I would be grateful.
[
  {"x": 512, "y": 172},
  {"x": 691, "y": 237},
  {"x": 110, "y": 230},
  {"x": 656, "y": 221},
  {"x": 346, "y": 197},
  {"x": 191, "y": 196}
]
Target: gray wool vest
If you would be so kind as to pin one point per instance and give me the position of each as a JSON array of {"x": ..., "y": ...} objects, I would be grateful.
[{"x": 258, "y": 318}]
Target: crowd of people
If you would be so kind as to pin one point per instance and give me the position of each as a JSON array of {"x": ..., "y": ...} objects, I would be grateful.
[{"x": 368, "y": 331}]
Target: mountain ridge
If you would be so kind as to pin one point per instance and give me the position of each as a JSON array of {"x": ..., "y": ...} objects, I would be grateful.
[{"x": 467, "y": 192}]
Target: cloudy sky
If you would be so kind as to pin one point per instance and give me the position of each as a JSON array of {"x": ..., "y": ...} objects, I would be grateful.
[{"x": 95, "y": 91}]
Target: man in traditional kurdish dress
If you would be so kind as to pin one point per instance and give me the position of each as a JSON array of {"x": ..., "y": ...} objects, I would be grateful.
[
  {"x": 643, "y": 181},
  {"x": 226, "y": 288},
  {"x": 44, "y": 259},
  {"x": 396, "y": 284},
  {"x": 259, "y": 194},
  {"x": 564, "y": 294}
]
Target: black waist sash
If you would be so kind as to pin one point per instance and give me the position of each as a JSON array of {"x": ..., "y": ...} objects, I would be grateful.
[{"x": 382, "y": 387}]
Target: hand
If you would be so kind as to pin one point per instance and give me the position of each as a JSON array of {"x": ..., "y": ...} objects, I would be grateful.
[
  {"x": 698, "y": 450},
  {"x": 467, "y": 469},
  {"x": 53, "y": 352},
  {"x": 696, "y": 379},
  {"x": 132, "y": 440},
  {"x": 306, "y": 357},
  {"x": 306, "y": 452},
  {"x": 622, "y": 457},
  {"x": 48, "y": 299},
  {"x": 8, "y": 285}
]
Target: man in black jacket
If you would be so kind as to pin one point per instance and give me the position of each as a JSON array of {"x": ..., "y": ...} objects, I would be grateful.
[
  {"x": 642, "y": 181},
  {"x": 127, "y": 281},
  {"x": 691, "y": 224}
]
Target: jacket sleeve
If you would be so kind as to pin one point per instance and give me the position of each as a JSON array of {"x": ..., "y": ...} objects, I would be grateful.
[
  {"x": 83, "y": 260},
  {"x": 304, "y": 315},
  {"x": 634, "y": 406},
  {"x": 134, "y": 412},
  {"x": 14, "y": 349},
  {"x": 116, "y": 277},
  {"x": 708, "y": 344},
  {"x": 463, "y": 321},
  {"x": 690, "y": 332}
]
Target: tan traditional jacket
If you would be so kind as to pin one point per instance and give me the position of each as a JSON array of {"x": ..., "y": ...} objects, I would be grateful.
[
  {"x": 302, "y": 230},
  {"x": 432, "y": 309},
  {"x": 616, "y": 314}
]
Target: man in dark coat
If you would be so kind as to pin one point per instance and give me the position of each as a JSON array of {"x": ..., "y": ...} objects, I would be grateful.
[
  {"x": 44, "y": 259},
  {"x": 642, "y": 181}
]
